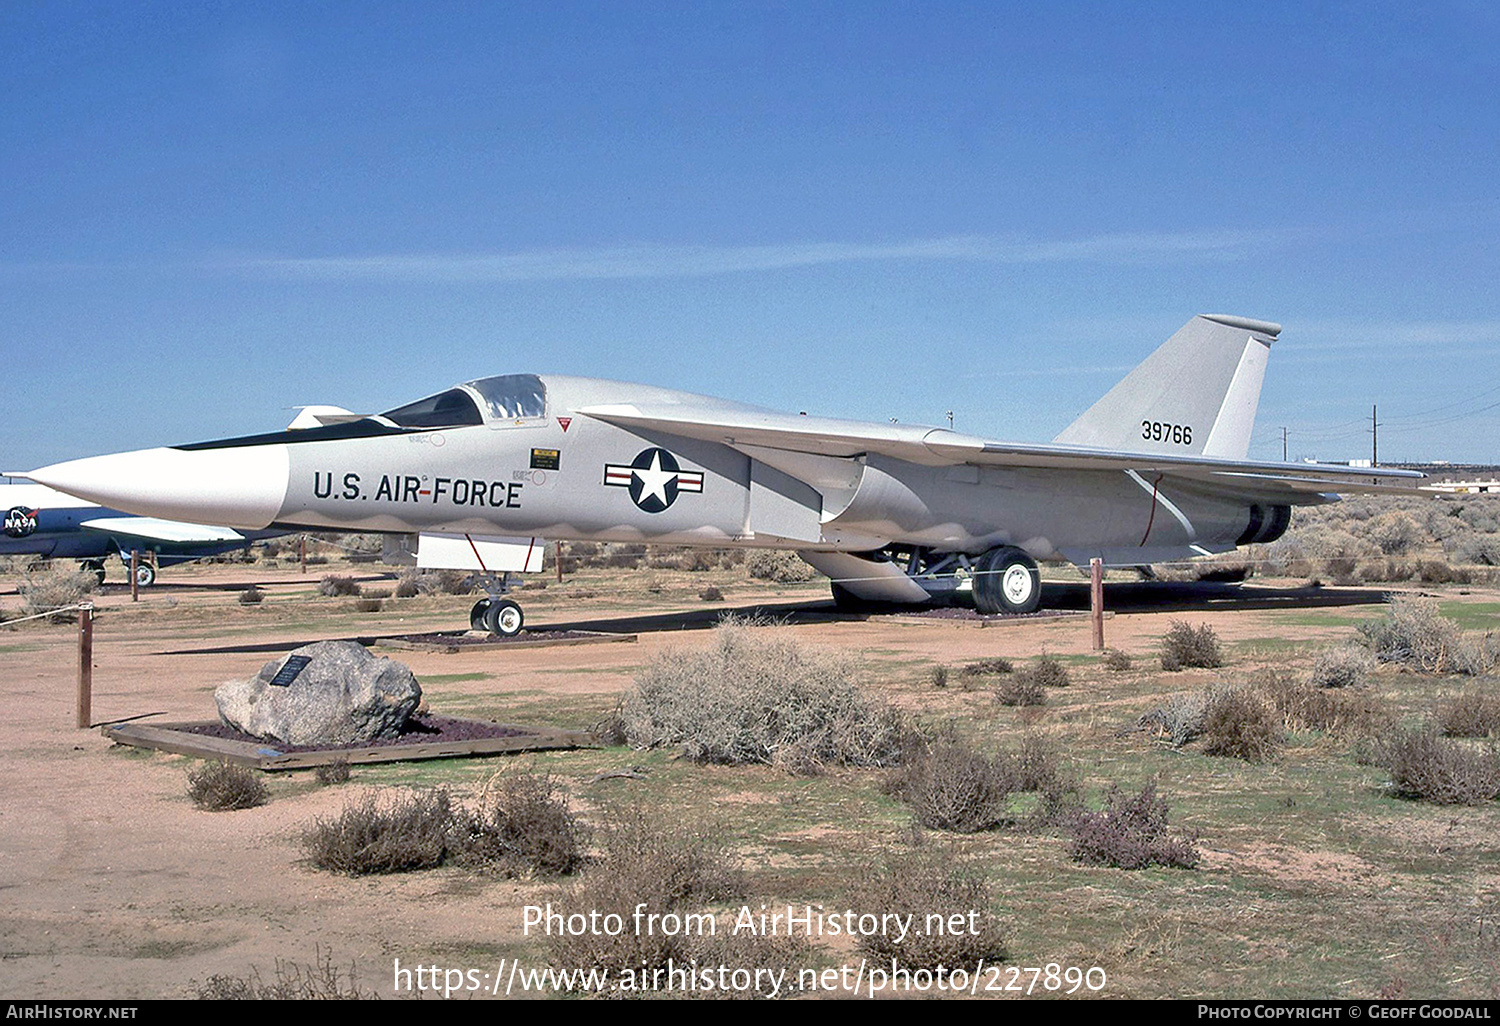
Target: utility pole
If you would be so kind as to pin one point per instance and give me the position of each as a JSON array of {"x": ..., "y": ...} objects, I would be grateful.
[
  {"x": 1374, "y": 438},
  {"x": 1283, "y": 445}
]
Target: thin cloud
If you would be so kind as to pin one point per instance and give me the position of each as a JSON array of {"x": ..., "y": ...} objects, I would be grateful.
[{"x": 652, "y": 261}]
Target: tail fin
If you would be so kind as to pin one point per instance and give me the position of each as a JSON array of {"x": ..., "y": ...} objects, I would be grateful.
[{"x": 1196, "y": 395}]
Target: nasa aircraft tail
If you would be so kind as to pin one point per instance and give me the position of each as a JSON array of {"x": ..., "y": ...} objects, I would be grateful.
[{"x": 1196, "y": 395}]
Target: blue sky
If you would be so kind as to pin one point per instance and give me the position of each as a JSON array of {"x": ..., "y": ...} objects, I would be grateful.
[{"x": 213, "y": 212}]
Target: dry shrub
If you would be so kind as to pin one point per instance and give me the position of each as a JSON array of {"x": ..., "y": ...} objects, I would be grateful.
[
  {"x": 1395, "y": 533},
  {"x": 987, "y": 667},
  {"x": 1428, "y": 767},
  {"x": 778, "y": 566},
  {"x": 368, "y": 605},
  {"x": 1022, "y": 690},
  {"x": 711, "y": 594},
  {"x": 1347, "y": 666},
  {"x": 1240, "y": 725},
  {"x": 1116, "y": 660},
  {"x": 1475, "y": 549},
  {"x": 525, "y": 828},
  {"x": 252, "y": 596},
  {"x": 223, "y": 786},
  {"x": 1471, "y": 715},
  {"x": 408, "y": 833},
  {"x": 1301, "y": 705},
  {"x": 1435, "y": 571},
  {"x": 53, "y": 586},
  {"x": 671, "y": 870},
  {"x": 335, "y": 772},
  {"x": 319, "y": 980},
  {"x": 938, "y": 676},
  {"x": 523, "y": 825},
  {"x": 939, "y": 891},
  {"x": 335, "y": 585},
  {"x": 1415, "y": 634},
  {"x": 1180, "y": 721},
  {"x": 749, "y": 696},
  {"x": 1131, "y": 832},
  {"x": 950, "y": 786},
  {"x": 1045, "y": 671},
  {"x": 408, "y": 586},
  {"x": 1185, "y": 645}
]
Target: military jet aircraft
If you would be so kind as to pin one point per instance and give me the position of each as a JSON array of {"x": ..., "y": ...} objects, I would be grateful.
[
  {"x": 50, "y": 525},
  {"x": 488, "y": 470}
]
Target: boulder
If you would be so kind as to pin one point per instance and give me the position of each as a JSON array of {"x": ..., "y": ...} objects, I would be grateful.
[{"x": 342, "y": 695}]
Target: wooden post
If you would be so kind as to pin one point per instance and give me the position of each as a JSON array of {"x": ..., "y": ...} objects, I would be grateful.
[
  {"x": 85, "y": 664},
  {"x": 135, "y": 584},
  {"x": 1096, "y": 601},
  {"x": 302, "y": 551},
  {"x": 559, "y": 562}
]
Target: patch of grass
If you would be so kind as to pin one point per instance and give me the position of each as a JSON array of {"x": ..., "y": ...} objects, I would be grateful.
[
  {"x": 223, "y": 786},
  {"x": 1186, "y": 646}
]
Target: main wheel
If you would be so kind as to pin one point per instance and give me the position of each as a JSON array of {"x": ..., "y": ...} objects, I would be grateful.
[
  {"x": 95, "y": 567},
  {"x": 504, "y": 618},
  {"x": 1007, "y": 582},
  {"x": 145, "y": 575},
  {"x": 476, "y": 615}
]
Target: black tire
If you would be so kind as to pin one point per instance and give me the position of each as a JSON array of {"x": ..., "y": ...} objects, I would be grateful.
[
  {"x": 476, "y": 615},
  {"x": 145, "y": 575},
  {"x": 95, "y": 567},
  {"x": 504, "y": 618},
  {"x": 1008, "y": 581}
]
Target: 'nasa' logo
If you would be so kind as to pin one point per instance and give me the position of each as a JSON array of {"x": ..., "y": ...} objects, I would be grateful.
[
  {"x": 20, "y": 521},
  {"x": 654, "y": 479}
]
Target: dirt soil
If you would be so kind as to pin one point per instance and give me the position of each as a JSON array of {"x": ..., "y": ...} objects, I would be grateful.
[{"x": 116, "y": 886}]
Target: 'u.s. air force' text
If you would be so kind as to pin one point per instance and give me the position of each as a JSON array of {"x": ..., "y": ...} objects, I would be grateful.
[{"x": 457, "y": 491}]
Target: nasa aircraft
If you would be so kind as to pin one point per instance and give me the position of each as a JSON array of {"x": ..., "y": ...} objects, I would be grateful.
[
  {"x": 46, "y": 523},
  {"x": 487, "y": 471}
]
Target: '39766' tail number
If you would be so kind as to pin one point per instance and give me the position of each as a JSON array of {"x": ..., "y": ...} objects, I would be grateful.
[{"x": 1156, "y": 431}]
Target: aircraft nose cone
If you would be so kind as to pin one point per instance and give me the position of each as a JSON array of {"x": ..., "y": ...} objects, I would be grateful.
[{"x": 234, "y": 487}]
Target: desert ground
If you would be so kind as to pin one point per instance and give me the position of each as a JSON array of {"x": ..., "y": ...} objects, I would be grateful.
[{"x": 1314, "y": 880}]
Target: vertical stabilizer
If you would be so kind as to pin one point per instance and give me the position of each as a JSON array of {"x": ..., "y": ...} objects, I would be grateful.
[{"x": 1196, "y": 395}]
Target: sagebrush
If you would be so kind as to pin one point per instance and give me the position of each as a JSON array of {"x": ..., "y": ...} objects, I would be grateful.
[
  {"x": 1131, "y": 832},
  {"x": 1186, "y": 646},
  {"x": 223, "y": 786},
  {"x": 754, "y": 696}
]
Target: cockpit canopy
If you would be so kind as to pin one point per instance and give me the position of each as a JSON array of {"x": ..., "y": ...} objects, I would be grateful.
[{"x": 501, "y": 398}]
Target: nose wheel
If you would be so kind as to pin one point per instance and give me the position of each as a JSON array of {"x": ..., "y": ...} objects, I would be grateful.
[{"x": 500, "y": 617}]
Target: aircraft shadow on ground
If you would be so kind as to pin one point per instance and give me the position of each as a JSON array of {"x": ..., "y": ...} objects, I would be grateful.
[{"x": 1142, "y": 597}]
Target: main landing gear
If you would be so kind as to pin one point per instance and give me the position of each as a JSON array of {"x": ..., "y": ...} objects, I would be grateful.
[{"x": 1006, "y": 580}]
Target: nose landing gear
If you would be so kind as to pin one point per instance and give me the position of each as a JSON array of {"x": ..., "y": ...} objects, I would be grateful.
[{"x": 499, "y": 616}]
